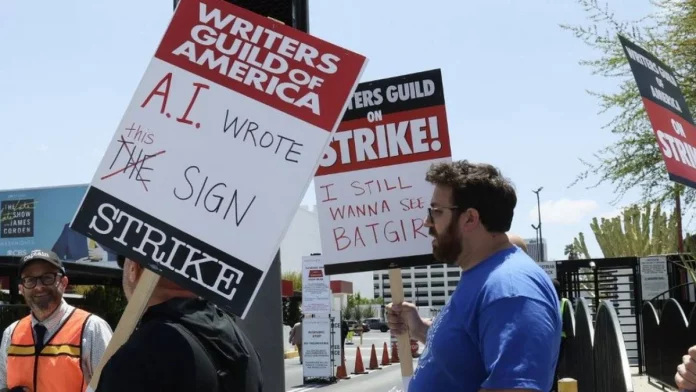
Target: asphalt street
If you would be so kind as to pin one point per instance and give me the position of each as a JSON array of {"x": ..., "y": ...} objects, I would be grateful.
[{"x": 382, "y": 380}]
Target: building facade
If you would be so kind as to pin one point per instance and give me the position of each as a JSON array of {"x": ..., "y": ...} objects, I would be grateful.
[
  {"x": 534, "y": 249},
  {"x": 428, "y": 287}
]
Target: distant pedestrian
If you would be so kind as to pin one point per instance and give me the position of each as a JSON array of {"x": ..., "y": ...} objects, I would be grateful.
[
  {"x": 517, "y": 241},
  {"x": 344, "y": 334},
  {"x": 296, "y": 338}
]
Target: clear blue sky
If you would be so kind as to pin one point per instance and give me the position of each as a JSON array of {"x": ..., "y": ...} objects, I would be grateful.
[{"x": 514, "y": 90}]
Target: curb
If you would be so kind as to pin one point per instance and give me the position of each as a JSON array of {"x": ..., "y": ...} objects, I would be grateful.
[{"x": 291, "y": 354}]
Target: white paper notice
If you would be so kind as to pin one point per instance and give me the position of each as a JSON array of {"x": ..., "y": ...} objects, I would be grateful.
[{"x": 316, "y": 290}]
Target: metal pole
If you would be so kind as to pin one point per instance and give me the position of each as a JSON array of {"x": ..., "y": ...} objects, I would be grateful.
[
  {"x": 264, "y": 327},
  {"x": 541, "y": 237},
  {"x": 684, "y": 278},
  {"x": 538, "y": 239},
  {"x": 384, "y": 315},
  {"x": 678, "y": 212}
]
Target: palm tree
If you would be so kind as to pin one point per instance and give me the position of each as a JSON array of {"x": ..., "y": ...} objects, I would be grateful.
[{"x": 571, "y": 252}]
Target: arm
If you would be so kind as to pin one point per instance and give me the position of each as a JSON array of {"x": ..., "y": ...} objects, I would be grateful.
[
  {"x": 422, "y": 333},
  {"x": 520, "y": 339},
  {"x": 95, "y": 340},
  {"x": 4, "y": 346},
  {"x": 404, "y": 318}
]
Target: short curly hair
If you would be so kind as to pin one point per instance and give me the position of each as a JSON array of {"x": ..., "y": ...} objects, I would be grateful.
[{"x": 479, "y": 186}]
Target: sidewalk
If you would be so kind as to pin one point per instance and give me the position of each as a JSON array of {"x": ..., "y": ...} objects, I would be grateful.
[{"x": 640, "y": 383}]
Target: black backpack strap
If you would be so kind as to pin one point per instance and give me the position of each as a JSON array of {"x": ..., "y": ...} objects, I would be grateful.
[{"x": 188, "y": 335}]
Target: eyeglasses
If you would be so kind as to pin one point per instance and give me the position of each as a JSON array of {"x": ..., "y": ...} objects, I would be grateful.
[
  {"x": 438, "y": 211},
  {"x": 47, "y": 279}
]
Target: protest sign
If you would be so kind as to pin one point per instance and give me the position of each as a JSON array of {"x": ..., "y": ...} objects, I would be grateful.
[
  {"x": 371, "y": 192},
  {"x": 217, "y": 147},
  {"x": 668, "y": 112},
  {"x": 316, "y": 289},
  {"x": 316, "y": 347}
]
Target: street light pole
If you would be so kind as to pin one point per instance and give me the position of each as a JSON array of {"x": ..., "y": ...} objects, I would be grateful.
[
  {"x": 541, "y": 237},
  {"x": 384, "y": 314}
]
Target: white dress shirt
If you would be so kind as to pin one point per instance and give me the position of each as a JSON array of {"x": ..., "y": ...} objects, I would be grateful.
[{"x": 95, "y": 338}]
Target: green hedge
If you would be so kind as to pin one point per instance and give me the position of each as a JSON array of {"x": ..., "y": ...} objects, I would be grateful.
[{"x": 106, "y": 302}]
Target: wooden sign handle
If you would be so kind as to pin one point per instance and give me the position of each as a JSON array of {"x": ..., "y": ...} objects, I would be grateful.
[
  {"x": 129, "y": 320},
  {"x": 404, "y": 341}
]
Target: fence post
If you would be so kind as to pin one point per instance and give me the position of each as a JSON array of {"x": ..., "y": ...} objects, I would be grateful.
[{"x": 567, "y": 385}]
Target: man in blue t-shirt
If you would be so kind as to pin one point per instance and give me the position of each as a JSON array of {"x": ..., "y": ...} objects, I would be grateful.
[{"x": 501, "y": 329}]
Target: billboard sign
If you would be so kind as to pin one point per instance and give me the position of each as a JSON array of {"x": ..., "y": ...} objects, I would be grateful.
[{"x": 39, "y": 218}]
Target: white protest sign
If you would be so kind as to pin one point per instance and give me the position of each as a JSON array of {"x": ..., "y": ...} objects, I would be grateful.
[
  {"x": 549, "y": 267},
  {"x": 217, "y": 148},
  {"x": 316, "y": 347},
  {"x": 371, "y": 192},
  {"x": 316, "y": 289},
  {"x": 653, "y": 277}
]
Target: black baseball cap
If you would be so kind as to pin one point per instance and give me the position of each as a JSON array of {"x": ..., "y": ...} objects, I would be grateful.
[{"x": 44, "y": 255}]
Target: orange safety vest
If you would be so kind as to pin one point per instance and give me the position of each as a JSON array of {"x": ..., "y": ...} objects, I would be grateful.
[{"x": 57, "y": 368}]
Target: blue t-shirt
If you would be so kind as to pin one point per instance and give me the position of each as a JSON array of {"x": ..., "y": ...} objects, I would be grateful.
[{"x": 501, "y": 329}]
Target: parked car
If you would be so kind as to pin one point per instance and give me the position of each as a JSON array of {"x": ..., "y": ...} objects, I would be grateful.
[
  {"x": 377, "y": 324},
  {"x": 353, "y": 326}
]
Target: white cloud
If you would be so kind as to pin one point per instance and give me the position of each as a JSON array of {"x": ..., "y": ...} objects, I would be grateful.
[
  {"x": 42, "y": 148},
  {"x": 563, "y": 211}
]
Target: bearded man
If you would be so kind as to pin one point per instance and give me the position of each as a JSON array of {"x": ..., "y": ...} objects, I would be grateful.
[
  {"x": 57, "y": 347},
  {"x": 500, "y": 331}
]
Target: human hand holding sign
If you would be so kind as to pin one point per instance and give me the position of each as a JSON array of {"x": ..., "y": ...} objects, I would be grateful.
[
  {"x": 686, "y": 372},
  {"x": 404, "y": 318}
]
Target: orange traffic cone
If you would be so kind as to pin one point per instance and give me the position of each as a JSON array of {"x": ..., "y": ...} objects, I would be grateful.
[
  {"x": 341, "y": 370},
  {"x": 374, "y": 365},
  {"x": 395, "y": 353},
  {"x": 385, "y": 355},
  {"x": 359, "y": 367}
]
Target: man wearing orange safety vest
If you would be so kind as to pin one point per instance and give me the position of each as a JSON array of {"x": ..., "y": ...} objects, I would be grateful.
[{"x": 57, "y": 347}]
